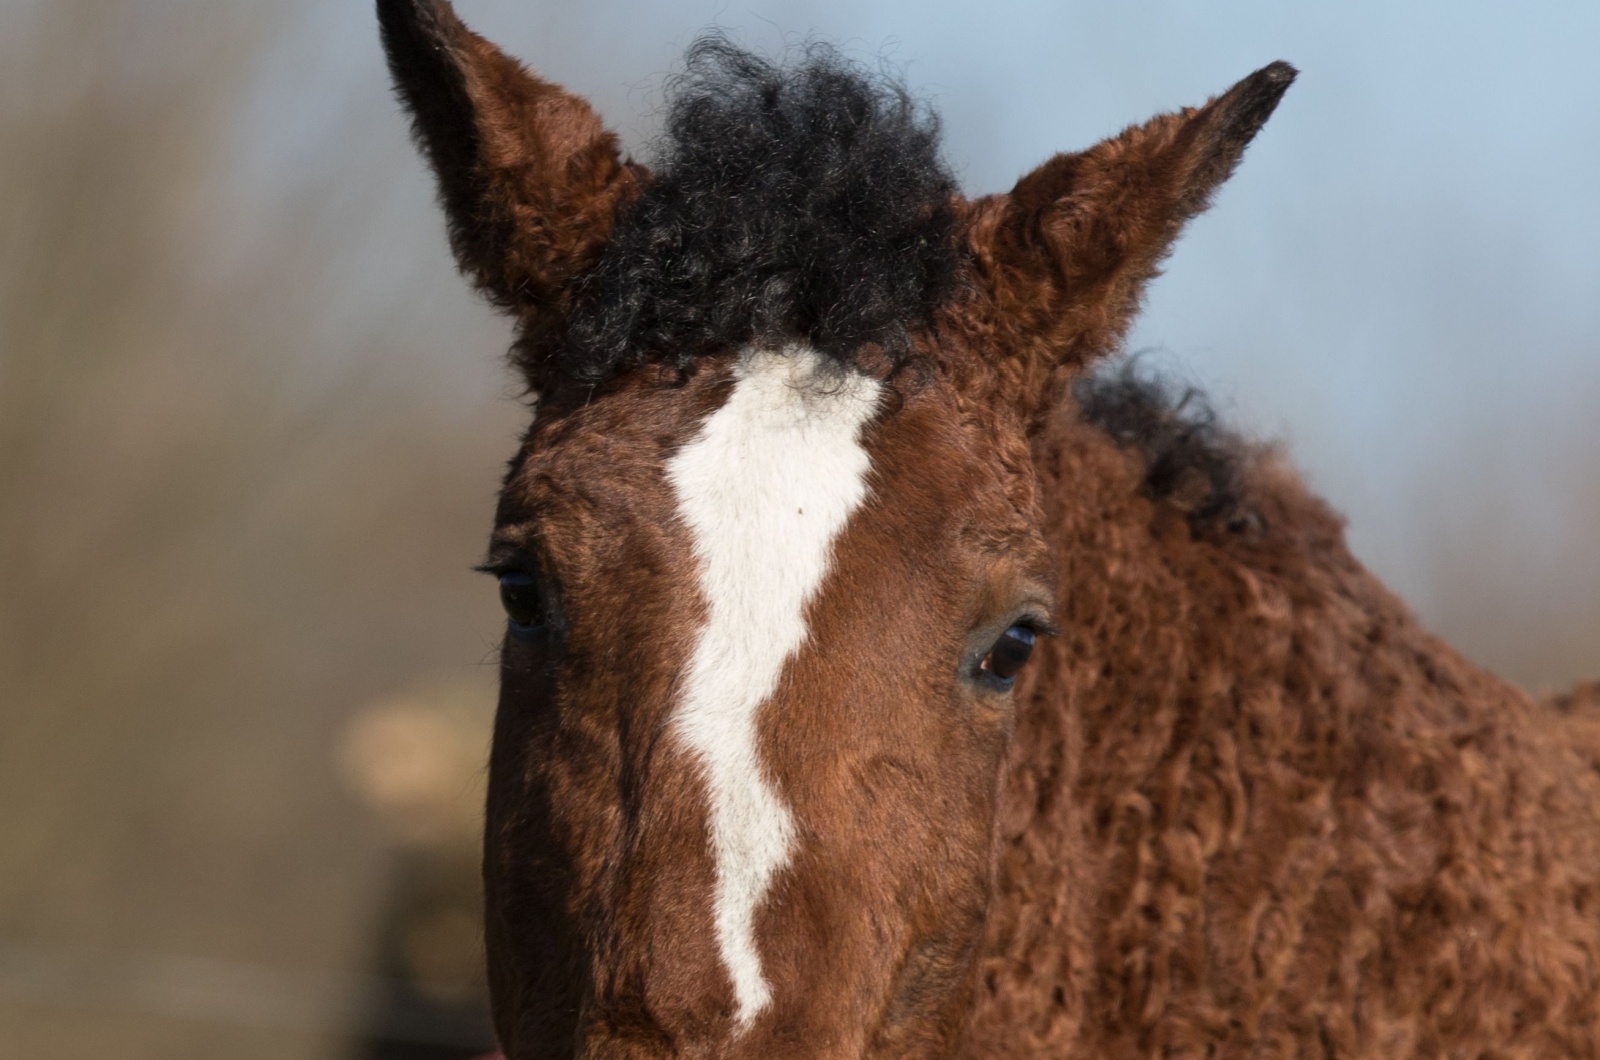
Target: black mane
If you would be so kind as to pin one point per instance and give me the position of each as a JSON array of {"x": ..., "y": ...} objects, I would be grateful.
[
  {"x": 1190, "y": 459},
  {"x": 801, "y": 203}
]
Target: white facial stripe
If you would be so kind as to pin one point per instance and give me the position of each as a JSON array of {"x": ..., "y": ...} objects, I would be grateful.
[{"x": 766, "y": 486}]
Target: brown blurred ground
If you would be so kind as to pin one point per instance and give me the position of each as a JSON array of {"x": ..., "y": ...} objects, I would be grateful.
[
  {"x": 232, "y": 517},
  {"x": 250, "y": 433}
]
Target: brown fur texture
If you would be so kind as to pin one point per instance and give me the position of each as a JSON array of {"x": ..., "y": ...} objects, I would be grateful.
[
  {"x": 1064, "y": 257},
  {"x": 1255, "y": 810},
  {"x": 597, "y": 860},
  {"x": 529, "y": 179},
  {"x": 1243, "y": 805}
]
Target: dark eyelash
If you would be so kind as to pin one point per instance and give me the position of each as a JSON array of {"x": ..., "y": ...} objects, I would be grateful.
[
  {"x": 499, "y": 568},
  {"x": 1042, "y": 627}
]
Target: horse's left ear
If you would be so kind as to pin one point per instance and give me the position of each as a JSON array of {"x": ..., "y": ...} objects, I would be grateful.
[
  {"x": 529, "y": 178},
  {"x": 1066, "y": 255}
]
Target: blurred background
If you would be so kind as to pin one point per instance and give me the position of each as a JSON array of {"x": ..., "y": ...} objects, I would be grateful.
[{"x": 251, "y": 427}]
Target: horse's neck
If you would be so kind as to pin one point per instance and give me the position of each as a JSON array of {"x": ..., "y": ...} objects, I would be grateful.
[{"x": 1216, "y": 693}]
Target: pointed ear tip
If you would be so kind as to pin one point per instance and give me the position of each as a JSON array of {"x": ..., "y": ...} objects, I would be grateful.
[
  {"x": 396, "y": 8},
  {"x": 1279, "y": 72},
  {"x": 1271, "y": 81},
  {"x": 392, "y": 11},
  {"x": 1249, "y": 103},
  {"x": 431, "y": 16}
]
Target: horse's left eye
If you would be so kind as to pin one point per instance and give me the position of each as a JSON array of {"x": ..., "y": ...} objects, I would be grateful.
[
  {"x": 1010, "y": 653},
  {"x": 519, "y": 594}
]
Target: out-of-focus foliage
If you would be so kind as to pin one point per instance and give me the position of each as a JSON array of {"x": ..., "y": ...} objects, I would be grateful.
[{"x": 233, "y": 512}]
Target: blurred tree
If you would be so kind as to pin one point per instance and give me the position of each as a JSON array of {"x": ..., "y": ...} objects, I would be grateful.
[{"x": 205, "y": 565}]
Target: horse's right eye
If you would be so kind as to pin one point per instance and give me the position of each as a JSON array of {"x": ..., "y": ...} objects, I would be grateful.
[{"x": 519, "y": 594}]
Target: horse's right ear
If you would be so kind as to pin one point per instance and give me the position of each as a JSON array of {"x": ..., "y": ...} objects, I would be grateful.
[{"x": 529, "y": 178}]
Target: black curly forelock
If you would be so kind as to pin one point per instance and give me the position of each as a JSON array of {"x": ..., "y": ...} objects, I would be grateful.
[{"x": 804, "y": 203}]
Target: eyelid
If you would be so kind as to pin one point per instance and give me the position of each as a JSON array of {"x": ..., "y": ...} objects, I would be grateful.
[
  {"x": 507, "y": 559},
  {"x": 1042, "y": 627},
  {"x": 1037, "y": 618}
]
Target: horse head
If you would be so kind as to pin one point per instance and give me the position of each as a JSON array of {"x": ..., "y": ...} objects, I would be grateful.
[{"x": 772, "y": 550}]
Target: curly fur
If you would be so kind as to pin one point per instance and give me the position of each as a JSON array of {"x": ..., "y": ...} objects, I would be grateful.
[
  {"x": 1257, "y": 810},
  {"x": 807, "y": 202},
  {"x": 1190, "y": 459},
  {"x": 528, "y": 177}
]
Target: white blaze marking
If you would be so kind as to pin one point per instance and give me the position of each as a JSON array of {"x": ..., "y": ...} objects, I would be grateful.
[{"x": 766, "y": 486}]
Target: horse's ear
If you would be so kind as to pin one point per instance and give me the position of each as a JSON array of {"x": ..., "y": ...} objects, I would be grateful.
[
  {"x": 529, "y": 178},
  {"x": 1067, "y": 253}
]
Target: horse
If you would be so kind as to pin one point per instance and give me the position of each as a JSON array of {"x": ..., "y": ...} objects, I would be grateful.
[{"x": 891, "y": 670}]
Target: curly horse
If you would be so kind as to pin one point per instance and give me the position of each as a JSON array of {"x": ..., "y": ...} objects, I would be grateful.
[{"x": 891, "y": 672}]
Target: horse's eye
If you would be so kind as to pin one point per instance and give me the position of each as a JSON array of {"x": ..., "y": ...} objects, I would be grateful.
[
  {"x": 1010, "y": 653},
  {"x": 519, "y": 594}
]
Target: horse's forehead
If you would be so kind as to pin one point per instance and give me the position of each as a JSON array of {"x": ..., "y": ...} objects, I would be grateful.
[{"x": 769, "y": 423}]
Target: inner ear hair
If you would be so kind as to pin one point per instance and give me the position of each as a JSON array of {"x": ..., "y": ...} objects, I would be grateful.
[
  {"x": 529, "y": 177},
  {"x": 1066, "y": 255}
]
